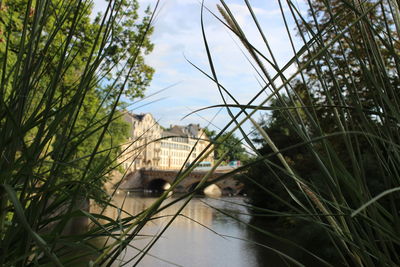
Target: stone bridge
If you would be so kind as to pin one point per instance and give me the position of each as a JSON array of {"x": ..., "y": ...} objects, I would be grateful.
[{"x": 158, "y": 180}]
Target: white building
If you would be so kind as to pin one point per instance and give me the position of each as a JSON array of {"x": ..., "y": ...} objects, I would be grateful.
[
  {"x": 182, "y": 144},
  {"x": 143, "y": 148},
  {"x": 152, "y": 147}
]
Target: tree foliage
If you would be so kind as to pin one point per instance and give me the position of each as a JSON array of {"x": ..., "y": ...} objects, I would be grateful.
[
  {"x": 231, "y": 145},
  {"x": 62, "y": 75},
  {"x": 335, "y": 127},
  {"x": 122, "y": 51},
  {"x": 339, "y": 90},
  {"x": 349, "y": 65}
]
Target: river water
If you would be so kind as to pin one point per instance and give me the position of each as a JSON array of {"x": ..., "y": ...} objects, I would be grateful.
[{"x": 202, "y": 237}]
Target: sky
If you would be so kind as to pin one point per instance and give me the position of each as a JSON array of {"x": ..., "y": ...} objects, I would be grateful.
[{"x": 178, "y": 39}]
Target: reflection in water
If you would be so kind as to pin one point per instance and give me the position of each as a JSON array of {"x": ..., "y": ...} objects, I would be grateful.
[
  {"x": 188, "y": 242},
  {"x": 266, "y": 256},
  {"x": 302, "y": 243}
]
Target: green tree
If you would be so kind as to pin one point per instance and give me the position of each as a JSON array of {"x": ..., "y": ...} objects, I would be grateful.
[
  {"x": 123, "y": 57},
  {"x": 349, "y": 64},
  {"x": 122, "y": 54},
  {"x": 333, "y": 132},
  {"x": 60, "y": 130},
  {"x": 232, "y": 146},
  {"x": 336, "y": 92}
]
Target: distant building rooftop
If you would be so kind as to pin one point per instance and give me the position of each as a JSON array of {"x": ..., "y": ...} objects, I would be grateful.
[
  {"x": 191, "y": 130},
  {"x": 138, "y": 117}
]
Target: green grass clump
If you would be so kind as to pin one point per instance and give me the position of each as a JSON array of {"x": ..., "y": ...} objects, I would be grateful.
[
  {"x": 329, "y": 143},
  {"x": 63, "y": 72}
]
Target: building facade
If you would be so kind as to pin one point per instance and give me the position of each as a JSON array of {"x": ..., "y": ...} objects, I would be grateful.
[
  {"x": 143, "y": 147},
  {"x": 150, "y": 146},
  {"x": 181, "y": 145}
]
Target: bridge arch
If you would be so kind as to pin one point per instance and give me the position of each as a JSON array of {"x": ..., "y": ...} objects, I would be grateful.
[
  {"x": 228, "y": 191},
  {"x": 158, "y": 185}
]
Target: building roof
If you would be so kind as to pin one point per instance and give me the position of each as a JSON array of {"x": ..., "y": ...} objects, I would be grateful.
[
  {"x": 191, "y": 130},
  {"x": 167, "y": 133},
  {"x": 138, "y": 117},
  {"x": 188, "y": 131}
]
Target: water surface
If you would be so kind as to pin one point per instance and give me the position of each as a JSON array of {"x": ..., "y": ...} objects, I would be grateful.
[{"x": 201, "y": 237}]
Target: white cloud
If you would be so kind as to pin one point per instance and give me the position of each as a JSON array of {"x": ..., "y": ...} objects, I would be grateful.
[{"x": 178, "y": 33}]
